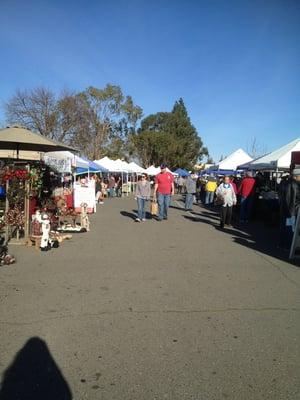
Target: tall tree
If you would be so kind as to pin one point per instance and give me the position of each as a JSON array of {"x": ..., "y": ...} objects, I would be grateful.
[
  {"x": 103, "y": 119},
  {"x": 169, "y": 137},
  {"x": 96, "y": 121},
  {"x": 34, "y": 109}
]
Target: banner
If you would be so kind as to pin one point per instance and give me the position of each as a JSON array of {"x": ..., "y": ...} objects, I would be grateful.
[{"x": 62, "y": 166}]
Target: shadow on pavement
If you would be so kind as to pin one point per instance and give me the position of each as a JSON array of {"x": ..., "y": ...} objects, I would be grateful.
[
  {"x": 254, "y": 235},
  {"x": 128, "y": 214},
  {"x": 34, "y": 375},
  {"x": 148, "y": 215},
  {"x": 197, "y": 219},
  {"x": 207, "y": 215},
  {"x": 176, "y": 208}
]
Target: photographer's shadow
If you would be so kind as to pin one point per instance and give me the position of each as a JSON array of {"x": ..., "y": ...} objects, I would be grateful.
[{"x": 34, "y": 375}]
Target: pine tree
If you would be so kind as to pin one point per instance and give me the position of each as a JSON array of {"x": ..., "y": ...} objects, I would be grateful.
[{"x": 169, "y": 137}]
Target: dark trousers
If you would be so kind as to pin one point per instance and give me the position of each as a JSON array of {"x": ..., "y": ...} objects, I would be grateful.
[{"x": 225, "y": 215}]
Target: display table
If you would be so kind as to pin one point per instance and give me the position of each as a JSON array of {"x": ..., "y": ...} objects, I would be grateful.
[{"x": 68, "y": 219}]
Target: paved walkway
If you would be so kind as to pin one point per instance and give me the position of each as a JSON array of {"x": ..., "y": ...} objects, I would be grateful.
[{"x": 158, "y": 310}]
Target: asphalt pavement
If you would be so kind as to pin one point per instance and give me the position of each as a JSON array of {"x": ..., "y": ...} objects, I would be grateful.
[{"x": 176, "y": 310}]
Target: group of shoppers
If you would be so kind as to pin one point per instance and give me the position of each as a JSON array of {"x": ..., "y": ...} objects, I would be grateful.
[
  {"x": 225, "y": 195},
  {"x": 109, "y": 187},
  {"x": 163, "y": 190}
]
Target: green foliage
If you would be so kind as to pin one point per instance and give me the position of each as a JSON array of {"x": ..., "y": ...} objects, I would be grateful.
[
  {"x": 169, "y": 137},
  {"x": 96, "y": 121}
]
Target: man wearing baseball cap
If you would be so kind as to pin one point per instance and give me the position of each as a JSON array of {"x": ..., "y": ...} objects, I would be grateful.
[{"x": 163, "y": 190}]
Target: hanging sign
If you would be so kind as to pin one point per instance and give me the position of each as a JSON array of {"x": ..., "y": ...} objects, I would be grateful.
[{"x": 62, "y": 166}]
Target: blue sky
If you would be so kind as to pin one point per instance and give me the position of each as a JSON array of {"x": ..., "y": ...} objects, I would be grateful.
[{"x": 235, "y": 63}]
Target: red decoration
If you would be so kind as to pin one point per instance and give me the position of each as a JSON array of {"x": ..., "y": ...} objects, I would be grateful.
[{"x": 21, "y": 174}]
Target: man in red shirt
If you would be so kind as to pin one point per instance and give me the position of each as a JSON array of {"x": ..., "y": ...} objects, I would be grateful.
[
  {"x": 163, "y": 190},
  {"x": 247, "y": 191}
]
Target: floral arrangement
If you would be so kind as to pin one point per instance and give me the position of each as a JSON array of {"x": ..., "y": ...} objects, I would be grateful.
[
  {"x": 15, "y": 217},
  {"x": 20, "y": 174}
]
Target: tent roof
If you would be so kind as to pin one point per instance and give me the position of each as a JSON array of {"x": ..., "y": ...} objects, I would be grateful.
[
  {"x": 152, "y": 170},
  {"x": 181, "y": 172},
  {"x": 19, "y": 138},
  {"x": 235, "y": 159},
  {"x": 112, "y": 165},
  {"x": 23, "y": 155},
  {"x": 136, "y": 168},
  {"x": 280, "y": 158},
  {"x": 97, "y": 167}
]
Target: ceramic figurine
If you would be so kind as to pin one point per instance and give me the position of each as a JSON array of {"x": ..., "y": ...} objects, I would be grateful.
[
  {"x": 84, "y": 219},
  {"x": 46, "y": 231}
]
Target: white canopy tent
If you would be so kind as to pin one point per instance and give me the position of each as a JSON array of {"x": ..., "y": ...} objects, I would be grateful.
[
  {"x": 235, "y": 159},
  {"x": 136, "y": 168},
  {"x": 279, "y": 159},
  {"x": 152, "y": 170},
  {"x": 123, "y": 165},
  {"x": 112, "y": 165}
]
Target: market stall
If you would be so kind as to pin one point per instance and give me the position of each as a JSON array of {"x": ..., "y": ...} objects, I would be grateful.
[{"x": 30, "y": 187}]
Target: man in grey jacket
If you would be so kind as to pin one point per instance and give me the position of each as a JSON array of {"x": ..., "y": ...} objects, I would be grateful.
[{"x": 190, "y": 187}]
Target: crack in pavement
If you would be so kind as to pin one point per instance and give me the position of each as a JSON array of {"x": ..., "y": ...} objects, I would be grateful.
[{"x": 131, "y": 311}]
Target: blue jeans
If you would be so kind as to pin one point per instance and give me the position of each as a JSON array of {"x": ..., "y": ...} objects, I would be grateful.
[
  {"x": 112, "y": 192},
  {"x": 209, "y": 197},
  {"x": 189, "y": 201},
  {"x": 141, "y": 208},
  {"x": 246, "y": 207},
  {"x": 163, "y": 201}
]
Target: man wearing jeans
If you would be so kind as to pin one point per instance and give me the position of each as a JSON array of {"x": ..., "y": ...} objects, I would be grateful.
[
  {"x": 163, "y": 190},
  {"x": 190, "y": 187},
  {"x": 247, "y": 191}
]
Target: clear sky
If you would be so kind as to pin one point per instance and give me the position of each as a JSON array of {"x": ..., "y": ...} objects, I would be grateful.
[{"x": 235, "y": 63}]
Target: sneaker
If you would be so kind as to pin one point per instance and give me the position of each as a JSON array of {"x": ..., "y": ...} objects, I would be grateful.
[
  {"x": 137, "y": 220},
  {"x": 144, "y": 219}
]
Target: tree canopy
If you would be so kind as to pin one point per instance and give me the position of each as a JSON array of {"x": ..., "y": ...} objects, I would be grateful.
[
  {"x": 104, "y": 122},
  {"x": 96, "y": 121},
  {"x": 169, "y": 137}
]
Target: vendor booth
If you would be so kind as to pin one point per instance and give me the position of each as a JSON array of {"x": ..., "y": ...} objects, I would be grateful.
[
  {"x": 277, "y": 160},
  {"x": 36, "y": 193},
  {"x": 232, "y": 162}
]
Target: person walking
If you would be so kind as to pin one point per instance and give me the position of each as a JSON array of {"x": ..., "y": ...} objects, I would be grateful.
[
  {"x": 99, "y": 192},
  {"x": 190, "y": 187},
  {"x": 290, "y": 197},
  {"x": 112, "y": 186},
  {"x": 287, "y": 185},
  {"x": 142, "y": 194},
  {"x": 247, "y": 192},
  {"x": 210, "y": 189},
  {"x": 119, "y": 186},
  {"x": 163, "y": 190},
  {"x": 180, "y": 184},
  {"x": 227, "y": 198}
]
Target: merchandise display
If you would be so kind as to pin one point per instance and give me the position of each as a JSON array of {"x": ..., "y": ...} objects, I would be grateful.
[{"x": 37, "y": 206}]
